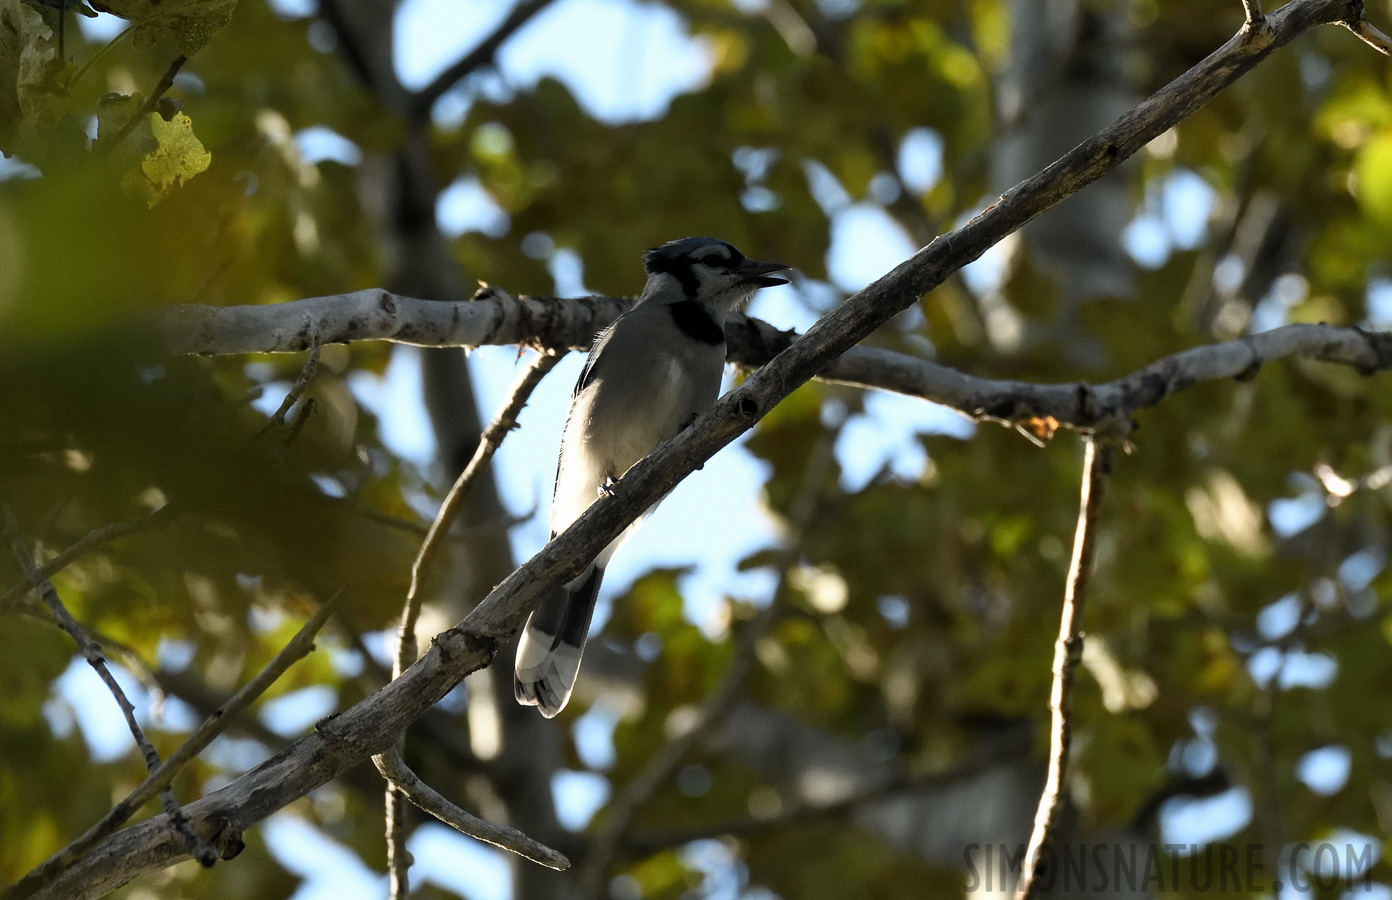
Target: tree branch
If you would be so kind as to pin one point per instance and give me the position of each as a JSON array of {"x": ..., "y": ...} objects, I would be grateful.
[
  {"x": 1370, "y": 35},
  {"x": 479, "y": 57},
  {"x": 369, "y": 727},
  {"x": 292, "y": 396},
  {"x": 91, "y": 542},
  {"x": 1068, "y": 650},
  {"x": 395, "y": 770},
  {"x": 494, "y": 317},
  {"x": 162, "y": 776},
  {"x": 92, "y": 652},
  {"x": 489, "y": 442},
  {"x": 398, "y": 859},
  {"x": 151, "y": 103}
]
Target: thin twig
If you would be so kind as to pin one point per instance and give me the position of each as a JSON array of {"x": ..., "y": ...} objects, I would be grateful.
[
  {"x": 90, "y": 542},
  {"x": 661, "y": 766},
  {"x": 126, "y": 655},
  {"x": 398, "y": 859},
  {"x": 395, "y": 770},
  {"x": 1068, "y": 650},
  {"x": 92, "y": 652},
  {"x": 307, "y": 372},
  {"x": 165, "y": 83},
  {"x": 475, "y": 59},
  {"x": 162, "y": 776},
  {"x": 1252, "y": 10},
  {"x": 489, "y": 441}
]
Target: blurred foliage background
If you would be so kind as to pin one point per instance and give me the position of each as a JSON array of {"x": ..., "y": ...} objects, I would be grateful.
[{"x": 1235, "y": 681}]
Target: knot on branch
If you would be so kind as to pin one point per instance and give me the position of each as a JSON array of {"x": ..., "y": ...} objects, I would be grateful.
[{"x": 456, "y": 643}]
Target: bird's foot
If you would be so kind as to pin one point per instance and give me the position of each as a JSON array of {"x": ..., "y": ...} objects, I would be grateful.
[{"x": 607, "y": 488}]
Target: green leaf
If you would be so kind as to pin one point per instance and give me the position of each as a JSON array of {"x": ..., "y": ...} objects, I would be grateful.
[{"x": 192, "y": 23}]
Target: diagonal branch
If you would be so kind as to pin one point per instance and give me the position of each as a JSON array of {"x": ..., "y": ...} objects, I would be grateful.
[
  {"x": 398, "y": 859},
  {"x": 162, "y": 776},
  {"x": 1369, "y": 34},
  {"x": 489, "y": 442},
  {"x": 395, "y": 770},
  {"x": 479, "y": 57},
  {"x": 1068, "y": 650},
  {"x": 151, "y": 103},
  {"x": 370, "y": 726},
  {"x": 92, "y": 652}
]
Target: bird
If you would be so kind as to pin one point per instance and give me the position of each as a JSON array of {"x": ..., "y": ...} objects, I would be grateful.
[{"x": 648, "y": 376}]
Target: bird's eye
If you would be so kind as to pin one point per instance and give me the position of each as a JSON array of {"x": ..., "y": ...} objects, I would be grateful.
[{"x": 712, "y": 259}]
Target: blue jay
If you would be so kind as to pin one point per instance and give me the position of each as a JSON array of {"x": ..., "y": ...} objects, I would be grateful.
[{"x": 648, "y": 376}]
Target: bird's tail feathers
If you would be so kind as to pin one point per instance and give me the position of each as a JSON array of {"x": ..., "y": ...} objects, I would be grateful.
[{"x": 548, "y": 657}]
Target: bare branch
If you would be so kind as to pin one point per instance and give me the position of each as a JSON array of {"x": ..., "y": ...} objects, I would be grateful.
[
  {"x": 489, "y": 442},
  {"x": 1370, "y": 35},
  {"x": 479, "y": 57},
  {"x": 1253, "y": 11},
  {"x": 398, "y": 859},
  {"x": 369, "y": 727},
  {"x": 498, "y": 318},
  {"x": 162, "y": 775},
  {"x": 1068, "y": 650},
  {"x": 126, "y": 654},
  {"x": 307, "y": 372},
  {"x": 395, "y": 770},
  {"x": 490, "y": 317},
  {"x": 661, "y": 766},
  {"x": 89, "y": 543},
  {"x": 92, "y": 652},
  {"x": 1077, "y": 404}
]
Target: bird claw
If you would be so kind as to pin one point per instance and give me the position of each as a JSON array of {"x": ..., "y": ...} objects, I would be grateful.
[{"x": 607, "y": 488}]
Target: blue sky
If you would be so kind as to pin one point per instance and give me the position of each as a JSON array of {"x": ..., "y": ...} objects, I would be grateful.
[{"x": 586, "y": 44}]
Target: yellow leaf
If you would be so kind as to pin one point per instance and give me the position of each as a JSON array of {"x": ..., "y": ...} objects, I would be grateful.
[{"x": 165, "y": 154}]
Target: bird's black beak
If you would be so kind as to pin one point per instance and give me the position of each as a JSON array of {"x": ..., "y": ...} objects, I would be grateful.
[{"x": 753, "y": 272}]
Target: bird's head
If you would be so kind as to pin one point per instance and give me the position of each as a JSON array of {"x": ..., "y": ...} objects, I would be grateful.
[{"x": 708, "y": 270}]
